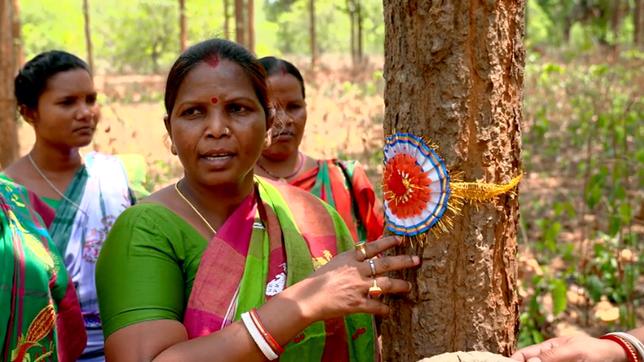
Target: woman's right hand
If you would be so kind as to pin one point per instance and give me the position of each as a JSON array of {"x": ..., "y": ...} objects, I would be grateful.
[{"x": 341, "y": 286}]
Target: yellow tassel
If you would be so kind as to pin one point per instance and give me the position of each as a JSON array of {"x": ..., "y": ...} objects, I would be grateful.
[{"x": 476, "y": 191}]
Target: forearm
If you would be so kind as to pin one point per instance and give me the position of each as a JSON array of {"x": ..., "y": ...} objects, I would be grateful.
[
  {"x": 283, "y": 317},
  {"x": 638, "y": 333}
]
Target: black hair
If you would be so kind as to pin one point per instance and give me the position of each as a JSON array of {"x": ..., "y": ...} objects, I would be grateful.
[
  {"x": 31, "y": 81},
  {"x": 214, "y": 50},
  {"x": 274, "y": 66}
]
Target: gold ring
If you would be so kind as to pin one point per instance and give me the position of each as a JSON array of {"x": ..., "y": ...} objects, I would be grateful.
[
  {"x": 375, "y": 291},
  {"x": 372, "y": 266},
  {"x": 361, "y": 248}
]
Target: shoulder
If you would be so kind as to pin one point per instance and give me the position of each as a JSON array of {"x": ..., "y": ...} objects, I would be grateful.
[{"x": 18, "y": 171}]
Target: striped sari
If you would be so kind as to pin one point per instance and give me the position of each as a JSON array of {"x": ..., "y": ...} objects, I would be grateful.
[
  {"x": 345, "y": 186},
  {"x": 243, "y": 266},
  {"x": 40, "y": 317}
]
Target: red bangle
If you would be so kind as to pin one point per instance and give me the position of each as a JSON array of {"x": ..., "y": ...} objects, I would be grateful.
[
  {"x": 267, "y": 336},
  {"x": 631, "y": 355}
]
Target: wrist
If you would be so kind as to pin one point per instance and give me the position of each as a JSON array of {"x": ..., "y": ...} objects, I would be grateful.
[
  {"x": 305, "y": 310},
  {"x": 618, "y": 349}
]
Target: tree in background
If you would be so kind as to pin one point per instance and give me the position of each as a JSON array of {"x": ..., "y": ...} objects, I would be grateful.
[
  {"x": 20, "y": 57},
  {"x": 183, "y": 28},
  {"x": 226, "y": 19},
  {"x": 312, "y": 35},
  {"x": 250, "y": 25},
  {"x": 8, "y": 135},
  {"x": 454, "y": 74},
  {"x": 240, "y": 30},
  {"x": 638, "y": 24},
  {"x": 354, "y": 10},
  {"x": 88, "y": 36}
]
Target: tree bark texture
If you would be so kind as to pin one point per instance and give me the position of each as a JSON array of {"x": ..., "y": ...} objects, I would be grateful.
[
  {"x": 183, "y": 26},
  {"x": 250, "y": 25},
  {"x": 8, "y": 125},
  {"x": 240, "y": 34},
  {"x": 454, "y": 75},
  {"x": 17, "y": 37},
  {"x": 88, "y": 36}
]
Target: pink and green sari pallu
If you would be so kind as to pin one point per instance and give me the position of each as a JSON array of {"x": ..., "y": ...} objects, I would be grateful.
[
  {"x": 40, "y": 318},
  {"x": 286, "y": 234},
  {"x": 345, "y": 186}
]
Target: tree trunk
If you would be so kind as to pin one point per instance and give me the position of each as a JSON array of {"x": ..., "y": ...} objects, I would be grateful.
[
  {"x": 638, "y": 24},
  {"x": 250, "y": 25},
  {"x": 312, "y": 34},
  {"x": 226, "y": 20},
  {"x": 88, "y": 36},
  {"x": 350, "y": 12},
  {"x": 17, "y": 37},
  {"x": 240, "y": 35},
  {"x": 9, "y": 134},
  {"x": 359, "y": 20},
  {"x": 454, "y": 74},
  {"x": 183, "y": 28}
]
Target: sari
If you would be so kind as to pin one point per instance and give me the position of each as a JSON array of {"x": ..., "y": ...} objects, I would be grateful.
[
  {"x": 345, "y": 186},
  {"x": 97, "y": 194},
  {"x": 240, "y": 270},
  {"x": 40, "y": 318}
]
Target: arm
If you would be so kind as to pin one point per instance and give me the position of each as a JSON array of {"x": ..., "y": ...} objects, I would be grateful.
[
  {"x": 337, "y": 289},
  {"x": 576, "y": 348}
]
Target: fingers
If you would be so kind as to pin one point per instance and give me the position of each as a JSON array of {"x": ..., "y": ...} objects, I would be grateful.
[
  {"x": 389, "y": 263},
  {"x": 393, "y": 286},
  {"x": 376, "y": 247}
]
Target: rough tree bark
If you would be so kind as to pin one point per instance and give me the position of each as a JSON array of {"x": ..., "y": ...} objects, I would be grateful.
[
  {"x": 17, "y": 37},
  {"x": 250, "y": 25},
  {"x": 88, "y": 36},
  {"x": 8, "y": 125},
  {"x": 183, "y": 27},
  {"x": 240, "y": 34},
  {"x": 454, "y": 74},
  {"x": 312, "y": 34}
]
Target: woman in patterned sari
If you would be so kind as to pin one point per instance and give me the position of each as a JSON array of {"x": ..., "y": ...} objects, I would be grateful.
[
  {"x": 56, "y": 96},
  {"x": 39, "y": 313},
  {"x": 342, "y": 184},
  {"x": 227, "y": 266}
]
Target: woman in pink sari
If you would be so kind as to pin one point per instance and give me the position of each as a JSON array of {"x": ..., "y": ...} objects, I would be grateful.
[{"x": 227, "y": 266}]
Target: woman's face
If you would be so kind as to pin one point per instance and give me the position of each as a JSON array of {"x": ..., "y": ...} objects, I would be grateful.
[
  {"x": 217, "y": 125},
  {"x": 66, "y": 113},
  {"x": 285, "y": 93}
]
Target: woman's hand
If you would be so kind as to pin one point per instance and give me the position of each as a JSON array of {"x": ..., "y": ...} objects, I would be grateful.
[
  {"x": 341, "y": 286},
  {"x": 572, "y": 348}
]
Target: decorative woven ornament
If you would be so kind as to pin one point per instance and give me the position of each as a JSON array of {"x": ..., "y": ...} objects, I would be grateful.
[{"x": 419, "y": 194}]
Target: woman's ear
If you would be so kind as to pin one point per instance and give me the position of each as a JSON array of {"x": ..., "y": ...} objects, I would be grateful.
[
  {"x": 168, "y": 128},
  {"x": 28, "y": 114}
]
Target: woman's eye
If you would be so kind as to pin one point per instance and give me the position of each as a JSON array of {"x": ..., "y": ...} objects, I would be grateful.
[
  {"x": 191, "y": 112},
  {"x": 237, "y": 108},
  {"x": 91, "y": 100},
  {"x": 294, "y": 107},
  {"x": 67, "y": 102}
]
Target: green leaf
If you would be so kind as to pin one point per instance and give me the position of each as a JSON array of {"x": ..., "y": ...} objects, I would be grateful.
[{"x": 558, "y": 291}]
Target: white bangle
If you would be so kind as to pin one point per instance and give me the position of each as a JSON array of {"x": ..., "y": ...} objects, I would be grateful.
[
  {"x": 257, "y": 337},
  {"x": 636, "y": 343}
]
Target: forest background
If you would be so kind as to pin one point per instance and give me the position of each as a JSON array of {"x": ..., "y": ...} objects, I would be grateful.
[{"x": 582, "y": 211}]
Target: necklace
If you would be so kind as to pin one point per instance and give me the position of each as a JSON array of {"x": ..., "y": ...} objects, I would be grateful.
[
  {"x": 51, "y": 184},
  {"x": 298, "y": 168},
  {"x": 176, "y": 187}
]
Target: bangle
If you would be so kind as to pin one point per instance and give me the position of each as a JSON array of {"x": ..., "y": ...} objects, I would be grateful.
[
  {"x": 267, "y": 336},
  {"x": 257, "y": 337},
  {"x": 636, "y": 343},
  {"x": 631, "y": 355}
]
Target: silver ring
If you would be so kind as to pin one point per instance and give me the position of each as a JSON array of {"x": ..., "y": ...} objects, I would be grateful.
[{"x": 372, "y": 266}]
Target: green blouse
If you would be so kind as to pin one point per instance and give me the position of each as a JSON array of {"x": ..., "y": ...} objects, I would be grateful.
[{"x": 154, "y": 256}]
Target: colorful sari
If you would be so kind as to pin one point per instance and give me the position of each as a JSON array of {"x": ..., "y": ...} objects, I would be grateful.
[
  {"x": 345, "y": 186},
  {"x": 40, "y": 318},
  {"x": 97, "y": 194},
  {"x": 242, "y": 267}
]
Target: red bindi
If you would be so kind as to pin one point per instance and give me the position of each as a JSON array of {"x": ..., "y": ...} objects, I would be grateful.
[
  {"x": 212, "y": 60},
  {"x": 214, "y": 100}
]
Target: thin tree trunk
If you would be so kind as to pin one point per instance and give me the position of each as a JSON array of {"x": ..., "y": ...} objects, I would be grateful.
[
  {"x": 352, "y": 20},
  {"x": 240, "y": 35},
  {"x": 250, "y": 25},
  {"x": 359, "y": 20},
  {"x": 454, "y": 74},
  {"x": 638, "y": 24},
  {"x": 312, "y": 34},
  {"x": 183, "y": 28},
  {"x": 88, "y": 36},
  {"x": 8, "y": 126},
  {"x": 226, "y": 20}
]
